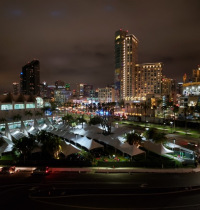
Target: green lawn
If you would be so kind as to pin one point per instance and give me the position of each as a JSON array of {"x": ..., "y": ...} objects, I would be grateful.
[{"x": 167, "y": 129}]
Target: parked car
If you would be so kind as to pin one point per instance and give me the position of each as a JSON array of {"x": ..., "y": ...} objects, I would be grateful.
[
  {"x": 8, "y": 170},
  {"x": 41, "y": 171}
]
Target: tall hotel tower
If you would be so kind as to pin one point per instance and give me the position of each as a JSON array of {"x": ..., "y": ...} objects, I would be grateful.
[
  {"x": 30, "y": 78},
  {"x": 125, "y": 59}
]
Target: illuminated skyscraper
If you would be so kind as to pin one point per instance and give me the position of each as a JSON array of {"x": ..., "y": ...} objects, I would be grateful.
[
  {"x": 30, "y": 78},
  {"x": 125, "y": 59}
]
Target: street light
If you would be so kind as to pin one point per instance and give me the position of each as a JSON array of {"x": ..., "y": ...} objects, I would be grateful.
[
  {"x": 174, "y": 143},
  {"x": 171, "y": 125}
]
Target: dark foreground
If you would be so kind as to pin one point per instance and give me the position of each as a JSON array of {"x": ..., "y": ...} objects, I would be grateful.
[{"x": 73, "y": 190}]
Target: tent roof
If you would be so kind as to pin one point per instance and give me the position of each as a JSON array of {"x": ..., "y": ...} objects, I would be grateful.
[
  {"x": 157, "y": 148},
  {"x": 68, "y": 149},
  {"x": 88, "y": 143},
  {"x": 131, "y": 150},
  {"x": 17, "y": 135}
]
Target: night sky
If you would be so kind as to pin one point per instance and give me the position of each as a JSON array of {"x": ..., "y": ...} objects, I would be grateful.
[{"x": 74, "y": 40}]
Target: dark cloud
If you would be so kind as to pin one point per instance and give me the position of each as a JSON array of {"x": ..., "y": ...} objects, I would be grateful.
[{"x": 74, "y": 39}]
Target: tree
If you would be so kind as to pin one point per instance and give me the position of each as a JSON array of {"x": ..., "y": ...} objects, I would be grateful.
[
  {"x": 2, "y": 120},
  {"x": 17, "y": 117},
  {"x": 127, "y": 105},
  {"x": 186, "y": 108},
  {"x": 155, "y": 135},
  {"x": 81, "y": 120},
  {"x": 175, "y": 110},
  {"x": 121, "y": 103},
  {"x": 28, "y": 113},
  {"x": 68, "y": 119},
  {"x": 38, "y": 113},
  {"x": 164, "y": 108},
  {"x": 50, "y": 144},
  {"x": 24, "y": 146},
  {"x": 95, "y": 120},
  {"x": 133, "y": 138}
]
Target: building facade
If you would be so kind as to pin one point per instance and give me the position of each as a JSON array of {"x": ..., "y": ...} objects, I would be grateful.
[
  {"x": 15, "y": 88},
  {"x": 147, "y": 80},
  {"x": 61, "y": 95},
  {"x": 30, "y": 78},
  {"x": 106, "y": 95}
]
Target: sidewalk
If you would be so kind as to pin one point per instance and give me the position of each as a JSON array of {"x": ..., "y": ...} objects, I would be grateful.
[{"x": 146, "y": 170}]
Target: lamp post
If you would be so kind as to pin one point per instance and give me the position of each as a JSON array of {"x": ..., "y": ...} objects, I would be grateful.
[
  {"x": 174, "y": 143},
  {"x": 171, "y": 123}
]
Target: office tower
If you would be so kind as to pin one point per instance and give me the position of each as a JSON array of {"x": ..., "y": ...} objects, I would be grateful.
[
  {"x": 87, "y": 89},
  {"x": 30, "y": 78},
  {"x": 147, "y": 80},
  {"x": 196, "y": 74},
  {"x": 61, "y": 95},
  {"x": 59, "y": 83},
  {"x": 15, "y": 88},
  {"x": 125, "y": 59},
  {"x": 168, "y": 88},
  {"x": 83, "y": 90},
  {"x": 106, "y": 95}
]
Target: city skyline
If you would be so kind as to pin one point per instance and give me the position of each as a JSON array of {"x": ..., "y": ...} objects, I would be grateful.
[{"x": 73, "y": 40}]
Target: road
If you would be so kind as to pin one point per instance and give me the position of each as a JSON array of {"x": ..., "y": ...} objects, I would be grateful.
[{"x": 70, "y": 190}]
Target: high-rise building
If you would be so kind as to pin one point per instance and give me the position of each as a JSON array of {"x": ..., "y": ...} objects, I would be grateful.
[
  {"x": 147, "y": 80},
  {"x": 83, "y": 90},
  {"x": 196, "y": 74},
  {"x": 15, "y": 88},
  {"x": 106, "y": 95},
  {"x": 125, "y": 59},
  {"x": 59, "y": 83},
  {"x": 168, "y": 88},
  {"x": 30, "y": 78}
]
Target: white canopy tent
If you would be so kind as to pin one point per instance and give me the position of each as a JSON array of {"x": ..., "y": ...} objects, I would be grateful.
[
  {"x": 68, "y": 149},
  {"x": 23, "y": 128},
  {"x": 33, "y": 131},
  {"x": 7, "y": 131},
  {"x": 88, "y": 143},
  {"x": 131, "y": 150},
  {"x": 157, "y": 148},
  {"x": 4, "y": 145},
  {"x": 35, "y": 125},
  {"x": 18, "y": 135}
]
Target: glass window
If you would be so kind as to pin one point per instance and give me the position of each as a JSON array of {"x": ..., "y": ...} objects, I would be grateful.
[
  {"x": 30, "y": 106},
  {"x": 6, "y": 107},
  {"x": 19, "y": 106}
]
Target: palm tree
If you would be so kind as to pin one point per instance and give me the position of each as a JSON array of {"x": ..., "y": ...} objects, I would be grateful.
[
  {"x": 2, "y": 120},
  {"x": 127, "y": 105},
  {"x": 17, "y": 117},
  {"x": 28, "y": 113},
  {"x": 164, "y": 108},
  {"x": 144, "y": 107},
  {"x": 186, "y": 108},
  {"x": 38, "y": 113},
  {"x": 175, "y": 110}
]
